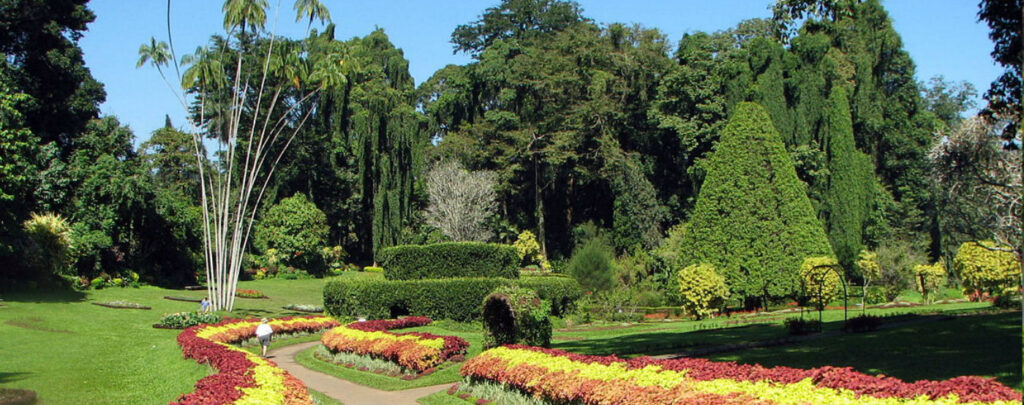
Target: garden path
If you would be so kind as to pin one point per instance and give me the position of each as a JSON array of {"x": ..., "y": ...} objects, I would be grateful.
[{"x": 347, "y": 392}]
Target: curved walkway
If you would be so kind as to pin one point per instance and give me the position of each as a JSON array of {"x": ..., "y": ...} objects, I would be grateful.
[{"x": 345, "y": 391}]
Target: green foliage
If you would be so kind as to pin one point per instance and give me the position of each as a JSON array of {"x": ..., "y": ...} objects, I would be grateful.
[
  {"x": 867, "y": 264},
  {"x": 516, "y": 315},
  {"x": 985, "y": 266},
  {"x": 848, "y": 192},
  {"x": 897, "y": 260},
  {"x": 753, "y": 220},
  {"x": 702, "y": 289},
  {"x": 799, "y": 326},
  {"x": 50, "y": 238},
  {"x": 457, "y": 299},
  {"x": 373, "y": 269},
  {"x": 821, "y": 279},
  {"x": 529, "y": 251},
  {"x": 297, "y": 230},
  {"x": 182, "y": 320},
  {"x": 636, "y": 211},
  {"x": 592, "y": 265},
  {"x": 451, "y": 259},
  {"x": 929, "y": 278}
]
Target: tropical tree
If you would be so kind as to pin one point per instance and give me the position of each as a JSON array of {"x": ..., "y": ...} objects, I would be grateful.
[
  {"x": 256, "y": 121},
  {"x": 460, "y": 201}
]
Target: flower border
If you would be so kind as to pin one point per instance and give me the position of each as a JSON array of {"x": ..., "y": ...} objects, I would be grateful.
[{"x": 413, "y": 350}]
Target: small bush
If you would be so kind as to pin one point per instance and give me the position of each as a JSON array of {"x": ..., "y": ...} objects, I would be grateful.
[
  {"x": 304, "y": 308},
  {"x": 797, "y": 326},
  {"x": 183, "y": 320},
  {"x": 702, "y": 289},
  {"x": 98, "y": 283},
  {"x": 457, "y": 299},
  {"x": 373, "y": 269},
  {"x": 592, "y": 265},
  {"x": 513, "y": 315},
  {"x": 297, "y": 229},
  {"x": 862, "y": 323},
  {"x": 987, "y": 267},
  {"x": 449, "y": 260}
]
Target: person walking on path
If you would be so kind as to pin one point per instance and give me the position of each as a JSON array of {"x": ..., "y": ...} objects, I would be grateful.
[{"x": 263, "y": 333}]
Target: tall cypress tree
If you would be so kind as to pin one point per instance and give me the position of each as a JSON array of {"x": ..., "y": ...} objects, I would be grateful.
[
  {"x": 753, "y": 219},
  {"x": 848, "y": 193}
]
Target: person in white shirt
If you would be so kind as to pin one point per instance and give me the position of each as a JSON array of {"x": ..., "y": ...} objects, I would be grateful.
[{"x": 263, "y": 333}]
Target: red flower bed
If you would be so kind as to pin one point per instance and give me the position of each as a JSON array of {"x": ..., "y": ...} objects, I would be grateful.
[
  {"x": 235, "y": 368},
  {"x": 409, "y": 353},
  {"x": 967, "y": 388}
]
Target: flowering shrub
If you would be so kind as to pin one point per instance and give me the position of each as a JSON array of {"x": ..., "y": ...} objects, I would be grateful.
[
  {"x": 413, "y": 350},
  {"x": 243, "y": 377},
  {"x": 564, "y": 377}
]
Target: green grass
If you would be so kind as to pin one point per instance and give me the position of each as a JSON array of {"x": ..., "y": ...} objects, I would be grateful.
[
  {"x": 675, "y": 336},
  {"x": 441, "y": 398},
  {"x": 320, "y": 398},
  {"x": 446, "y": 373},
  {"x": 69, "y": 351},
  {"x": 987, "y": 345}
]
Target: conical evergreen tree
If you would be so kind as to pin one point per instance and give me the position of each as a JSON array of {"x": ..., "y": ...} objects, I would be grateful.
[
  {"x": 848, "y": 194},
  {"x": 753, "y": 220}
]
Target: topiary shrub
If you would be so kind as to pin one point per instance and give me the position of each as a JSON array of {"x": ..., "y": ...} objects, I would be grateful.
[
  {"x": 798, "y": 326},
  {"x": 454, "y": 298},
  {"x": 862, "y": 323},
  {"x": 449, "y": 260},
  {"x": 514, "y": 315},
  {"x": 701, "y": 289}
]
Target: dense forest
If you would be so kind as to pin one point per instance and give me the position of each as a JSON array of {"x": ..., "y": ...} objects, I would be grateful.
[{"x": 575, "y": 130}]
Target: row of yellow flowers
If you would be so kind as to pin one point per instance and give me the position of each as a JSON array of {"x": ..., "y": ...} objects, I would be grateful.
[
  {"x": 414, "y": 351},
  {"x": 565, "y": 377},
  {"x": 244, "y": 378}
]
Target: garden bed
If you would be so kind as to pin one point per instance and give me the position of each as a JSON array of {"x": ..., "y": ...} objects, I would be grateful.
[
  {"x": 121, "y": 305},
  {"x": 413, "y": 351},
  {"x": 180, "y": 298},
  {"x": 313, "y": 309},
  {"x": 15, "y": 396}
]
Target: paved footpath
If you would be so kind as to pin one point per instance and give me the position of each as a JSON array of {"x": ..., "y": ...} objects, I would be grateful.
[{"x": 347, "y": 392}]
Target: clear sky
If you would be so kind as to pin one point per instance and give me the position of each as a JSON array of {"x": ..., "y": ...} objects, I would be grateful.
[{"x": 942, "y": 36}]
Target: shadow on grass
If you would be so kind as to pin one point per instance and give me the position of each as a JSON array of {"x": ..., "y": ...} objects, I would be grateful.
[
  {"x": 983, "y": 345},
  {"x": 671, "y": 342},
  {"x": 43, "y": 296},
  {"x": 6, "y": 377}
]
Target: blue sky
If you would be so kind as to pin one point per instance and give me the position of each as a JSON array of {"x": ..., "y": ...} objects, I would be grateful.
[{"x": 942, "y": 36}]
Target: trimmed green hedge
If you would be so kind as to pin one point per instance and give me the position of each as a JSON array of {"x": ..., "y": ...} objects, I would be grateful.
[
  {"x": 449, "y": 260},
  {"x": 459, "y": 299}
]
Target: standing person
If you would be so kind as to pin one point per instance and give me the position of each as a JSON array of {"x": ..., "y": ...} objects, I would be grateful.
[
  {"x": 204, "y": 305},
  {"x": 263, "y": 333}
]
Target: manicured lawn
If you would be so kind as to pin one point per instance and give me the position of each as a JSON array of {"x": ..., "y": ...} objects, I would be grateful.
[
  {"x": 69, "y": 351},
  {"x": 986, "y": 345},
  {"x": 676, "y": 336},
  {"x": 441, "y": 398}
]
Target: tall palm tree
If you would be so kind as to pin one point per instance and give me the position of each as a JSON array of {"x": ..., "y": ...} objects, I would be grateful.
[
  {"x": 156, "y": 54},
  {"x": 313, "y": 9},
  {"x": 245, "y": 13}
]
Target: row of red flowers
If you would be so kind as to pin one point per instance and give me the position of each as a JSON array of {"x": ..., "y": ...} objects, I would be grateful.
[
  {"x": 413, "y": 350},
  {"x": 564, "y": 376},
  {"x": 240, "y": 374}
]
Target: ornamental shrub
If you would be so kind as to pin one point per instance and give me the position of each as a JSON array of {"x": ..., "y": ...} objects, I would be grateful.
[
  {"x": 449, "y": 260},
  {"x": 453, "y": 298},
  {"x": 701, "y": 289},
  {"x": 753, "y": 220},
  {"x": 298, "y": 230},
  {"x": 529, "y": 252},
  {"x": 986, "y": 267},
  {"x": 49, "y": 237},
  {"x": 820, "y": 280},
  {"x": 798, "y": 326},
  {"x": 929, "y": 278},
  {"x": 182, "y": 320},
  {"x": 513, "y": 314}
]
